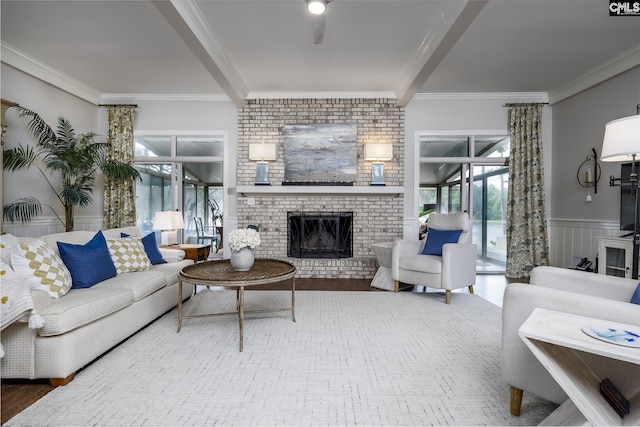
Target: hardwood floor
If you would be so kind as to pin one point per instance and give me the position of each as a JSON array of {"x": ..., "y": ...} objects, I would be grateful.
[{"x": 16, "y": 395}]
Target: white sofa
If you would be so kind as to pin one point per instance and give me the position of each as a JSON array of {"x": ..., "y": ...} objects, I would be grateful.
[
  {"x": 569, "y": 291},
  {"x": 85, "y": 323}
]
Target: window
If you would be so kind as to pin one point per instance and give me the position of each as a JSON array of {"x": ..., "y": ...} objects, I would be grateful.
[
  {"x": 452, "y": 181},
  {"x": 180, "y": 172}
]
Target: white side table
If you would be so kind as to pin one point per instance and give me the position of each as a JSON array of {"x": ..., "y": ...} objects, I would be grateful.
[
  {"x": 557, "y": 339},
  {"x": 383, "y": 279}
]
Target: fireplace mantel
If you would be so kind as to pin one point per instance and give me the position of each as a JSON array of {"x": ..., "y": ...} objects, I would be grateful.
[{"x": 358, "y": 190}]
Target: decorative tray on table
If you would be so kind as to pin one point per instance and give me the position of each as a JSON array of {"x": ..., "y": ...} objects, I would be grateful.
[{"x": 613, "y": 335}]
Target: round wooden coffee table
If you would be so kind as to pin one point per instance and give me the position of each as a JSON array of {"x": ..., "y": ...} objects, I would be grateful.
[{"x": 220, "y": 273}]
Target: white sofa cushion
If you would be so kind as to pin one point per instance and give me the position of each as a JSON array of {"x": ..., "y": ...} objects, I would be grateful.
[
  {"x": 140, "y": 283},
  {"x": 82, "y": 306},
  {"x": 422, "y": 263}
]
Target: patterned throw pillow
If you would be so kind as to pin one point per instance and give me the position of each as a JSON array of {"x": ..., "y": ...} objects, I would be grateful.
[
  {"x": 42, "y": 267},
  {"x": 128, "y": 255}
]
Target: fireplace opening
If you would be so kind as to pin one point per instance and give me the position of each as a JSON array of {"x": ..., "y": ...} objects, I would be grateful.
[{"x": 320, "y": 234}]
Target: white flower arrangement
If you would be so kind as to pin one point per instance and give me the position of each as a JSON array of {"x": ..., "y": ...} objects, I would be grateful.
[{"x": 243, "y": 238}]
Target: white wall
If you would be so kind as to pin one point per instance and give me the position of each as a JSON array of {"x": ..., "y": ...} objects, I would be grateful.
[
  {"x": 578, "y": 126},
  {"x": 50, "y": 103},
  {"x": 476, "y": 113}
]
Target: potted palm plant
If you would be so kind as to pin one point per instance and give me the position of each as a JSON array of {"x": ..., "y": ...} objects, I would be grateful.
[{"x": 74, "y": 159}]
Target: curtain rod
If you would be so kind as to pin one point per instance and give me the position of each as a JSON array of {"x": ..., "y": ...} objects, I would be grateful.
[
  {"x": 524, "y": 103},
  {"x": 118, "y": 105}
]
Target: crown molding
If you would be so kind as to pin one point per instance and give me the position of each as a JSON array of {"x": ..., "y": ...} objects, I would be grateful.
[
  {"x": 611, "y": 68},
  {"x": 320, "y": 95},
  {"x": 484, "y": 96},
  {"x": 41, "y": 71},
  {"x": 122, "y": 98}
]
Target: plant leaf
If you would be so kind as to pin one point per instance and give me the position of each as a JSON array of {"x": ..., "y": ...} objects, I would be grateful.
[{"x": 22, "y": 210}]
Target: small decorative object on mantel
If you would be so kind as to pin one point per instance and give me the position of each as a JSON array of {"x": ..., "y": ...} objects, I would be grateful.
[
  {"x": 589, "y": 174},
  {"x": 242, "y": 243}
]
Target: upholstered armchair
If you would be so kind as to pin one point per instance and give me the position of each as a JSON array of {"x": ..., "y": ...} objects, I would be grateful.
[
  {"x": 455, "y": 268},
  {"x": 568, "y": 291}
]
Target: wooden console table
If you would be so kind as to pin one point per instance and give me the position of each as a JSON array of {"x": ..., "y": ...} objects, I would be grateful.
[
  {"x": 557, "y": 339},
  {"x": 196, "y": 252}
]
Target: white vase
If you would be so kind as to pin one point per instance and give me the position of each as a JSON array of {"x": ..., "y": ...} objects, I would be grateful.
[{"x": 242, "y": 260}]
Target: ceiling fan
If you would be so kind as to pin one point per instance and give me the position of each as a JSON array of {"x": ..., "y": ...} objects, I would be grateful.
[{"x": 317, "y": 8}]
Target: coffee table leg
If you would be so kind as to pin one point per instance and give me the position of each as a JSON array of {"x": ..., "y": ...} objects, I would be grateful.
[
  {"x": 179, "y": 305},
  {"x": 241, "y": 313},
  {"x": 293, "y": 298}
]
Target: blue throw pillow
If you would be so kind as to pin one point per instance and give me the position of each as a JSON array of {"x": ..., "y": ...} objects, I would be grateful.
[
  {"x": 437, "y": 238},
  {"x": 89, "y": 263},
  {"x": 635, "y": 298},
  {"x": 151, "y": 248}
]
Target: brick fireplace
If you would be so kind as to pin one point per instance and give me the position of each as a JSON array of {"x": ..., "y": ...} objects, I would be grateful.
[{"x": 376, "y": 212}]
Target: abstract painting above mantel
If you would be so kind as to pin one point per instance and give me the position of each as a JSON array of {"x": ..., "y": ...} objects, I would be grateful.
[{"x": 320, "y": 154}]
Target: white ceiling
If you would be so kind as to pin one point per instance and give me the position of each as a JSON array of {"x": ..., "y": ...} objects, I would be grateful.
[{"x": 243, "y": 49}]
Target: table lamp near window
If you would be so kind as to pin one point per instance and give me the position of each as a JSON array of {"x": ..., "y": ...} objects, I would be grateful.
[{"x": 168, "y": 222}]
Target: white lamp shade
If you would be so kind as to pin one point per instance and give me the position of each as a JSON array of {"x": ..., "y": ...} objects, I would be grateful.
[
  {"x": 262, "y": 152},
  {"x": 621, "y": 139},
  {"x": 378, "y": 152},
  {"x": 316, "y": 7},
  {"x": 168, "y": 220}
]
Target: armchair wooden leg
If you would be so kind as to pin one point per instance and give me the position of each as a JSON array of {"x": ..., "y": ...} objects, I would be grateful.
[
  {"x": 471, "y": 289},
  {"x": 516, "y": 401},
  {"x": 396, "y": 286},
  {"x": 448, "y": 296}
]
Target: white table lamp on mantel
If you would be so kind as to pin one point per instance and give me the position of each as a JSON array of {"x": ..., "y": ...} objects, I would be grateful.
[
  {"x": 168, "y": 222},
  {"x": 378, "y": 154},
  {"x": 262, "y": 154}
]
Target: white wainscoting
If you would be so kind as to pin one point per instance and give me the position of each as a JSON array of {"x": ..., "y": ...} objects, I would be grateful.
[
  {"x": 42, "y": 226},
  {"x": 569, "y": 238}
]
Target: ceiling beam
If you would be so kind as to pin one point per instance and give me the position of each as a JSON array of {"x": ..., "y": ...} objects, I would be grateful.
[
  {"x": 187, "y": 20},
  {"x": 443, "y": 34}
]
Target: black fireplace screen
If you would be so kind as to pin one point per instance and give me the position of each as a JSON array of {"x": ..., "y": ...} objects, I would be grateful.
[{"x": 320, "y": 234}]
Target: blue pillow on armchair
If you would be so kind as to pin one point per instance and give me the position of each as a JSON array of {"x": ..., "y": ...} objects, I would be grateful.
[
  {"x": 437, "y": 238},
  {"x": 635, "y": 298},
  {"x": 150, "y": 244},
  {"x": 89, "y": 263}
]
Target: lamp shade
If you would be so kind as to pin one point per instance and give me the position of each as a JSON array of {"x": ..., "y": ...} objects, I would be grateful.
[
  {"x": 261, "y": 152},
  {"x": 378, "y": 152},
  {"x": 621, "y": 139},
  {"x": 168, "y": 220},
  {"x": 316, "y": 7}
]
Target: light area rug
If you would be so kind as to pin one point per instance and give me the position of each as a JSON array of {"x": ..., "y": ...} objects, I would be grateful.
[{"x": 351, "y": 359}]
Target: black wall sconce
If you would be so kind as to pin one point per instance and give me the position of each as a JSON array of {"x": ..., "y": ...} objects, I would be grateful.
[{"x": 589, "y": 174}]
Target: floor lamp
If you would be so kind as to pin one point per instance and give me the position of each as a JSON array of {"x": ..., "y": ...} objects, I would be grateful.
[{"x": 622, "y": 143}]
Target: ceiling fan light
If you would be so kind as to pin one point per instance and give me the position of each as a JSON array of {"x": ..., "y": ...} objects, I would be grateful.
[{"x": 316, "y": 7}]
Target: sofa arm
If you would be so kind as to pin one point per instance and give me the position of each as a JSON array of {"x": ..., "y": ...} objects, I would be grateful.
[
  {"x": 458, "y": 265},
  {"x": 521, "y": 369},
  {"x": 585, "y": 283},
  {"x": 172, "y": 255},
  {"x": 402, "y": 248}
]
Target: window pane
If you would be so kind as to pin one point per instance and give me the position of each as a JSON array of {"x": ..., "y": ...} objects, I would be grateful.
[
  {"x": 152, "y": 194},
  {"x": 444, "y": 146},
  {"x": 491, "y": 146},
  {"x": 199, "y": 146},
  {"x": 152, "y": 146}
]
